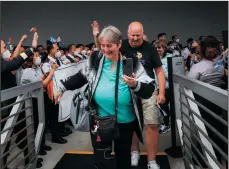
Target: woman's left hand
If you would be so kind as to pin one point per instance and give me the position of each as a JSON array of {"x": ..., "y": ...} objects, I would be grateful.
[{"x": 131, "y": 81}]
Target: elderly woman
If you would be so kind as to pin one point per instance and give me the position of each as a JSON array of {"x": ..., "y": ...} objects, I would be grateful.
[{"x": 100, "y": 73}]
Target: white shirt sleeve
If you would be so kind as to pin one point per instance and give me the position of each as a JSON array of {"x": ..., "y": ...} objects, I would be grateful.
[
  {"x": 185, "y": 53},
  {"x": 29, "y": 76},
  {"x": 46, "y": 67},
  {"x": 66, "y": 61}
]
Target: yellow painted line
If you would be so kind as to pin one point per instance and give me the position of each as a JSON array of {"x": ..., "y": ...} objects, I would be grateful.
[{"x": 91, "y": 152}]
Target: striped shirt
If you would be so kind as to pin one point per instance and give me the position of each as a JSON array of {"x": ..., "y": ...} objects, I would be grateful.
[{"x": 206, "y": 72}]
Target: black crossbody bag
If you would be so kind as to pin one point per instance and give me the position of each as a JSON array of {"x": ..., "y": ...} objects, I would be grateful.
[{"x": 107, "y": 126}]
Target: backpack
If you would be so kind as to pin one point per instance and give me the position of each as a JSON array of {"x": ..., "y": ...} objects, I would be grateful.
[{"x": 80, "y": 112}]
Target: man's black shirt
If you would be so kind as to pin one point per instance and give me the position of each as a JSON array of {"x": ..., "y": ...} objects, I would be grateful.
[{"x": 146, "y": 53}]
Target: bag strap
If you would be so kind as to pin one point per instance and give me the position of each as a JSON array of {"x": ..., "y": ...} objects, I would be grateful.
[{"x": 116, "y": 85}]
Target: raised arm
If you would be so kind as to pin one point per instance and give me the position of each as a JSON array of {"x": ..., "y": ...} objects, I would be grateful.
[
  {"x": 35, "y": 39},
  {"x": 46, "y": 80},
  {"x": 17, "y": 50},
  {"x": 95, "y": 29}
]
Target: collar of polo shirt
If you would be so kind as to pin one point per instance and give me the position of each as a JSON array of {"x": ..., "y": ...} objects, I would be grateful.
[{"x": 52, "y": 59}]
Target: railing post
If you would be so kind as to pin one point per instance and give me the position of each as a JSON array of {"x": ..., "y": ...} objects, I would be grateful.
[
  {"x": 41, "y": 117},
  {"x": 175, "y": 65},
  {"x": 29, "y": 120}
]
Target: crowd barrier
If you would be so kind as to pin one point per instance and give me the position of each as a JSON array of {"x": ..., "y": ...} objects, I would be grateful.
[{"x": 15, "y": 113}]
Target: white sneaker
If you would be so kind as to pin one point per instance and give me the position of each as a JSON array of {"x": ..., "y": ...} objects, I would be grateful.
[
  {"x": 153, "y": 166},
  {"x": 135, "y": 156},
  {"x": 164, "y": 129}
]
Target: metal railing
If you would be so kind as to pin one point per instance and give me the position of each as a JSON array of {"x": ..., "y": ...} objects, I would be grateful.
[
  {"x": 17, "y": 126},
  {"x": 202, "y": 121}
]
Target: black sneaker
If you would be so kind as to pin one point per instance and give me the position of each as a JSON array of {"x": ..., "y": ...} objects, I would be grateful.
[
  {"x": 39, "y": 165},
  {"x": 47, "y": 148},
  {"x": 42, "y": 152}
]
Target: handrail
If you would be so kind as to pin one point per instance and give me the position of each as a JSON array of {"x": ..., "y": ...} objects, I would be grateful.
[
  {"x": 203, "y": 89},
  {"x": 192, "y": 126},
  {"x": 19, "y": 90}
]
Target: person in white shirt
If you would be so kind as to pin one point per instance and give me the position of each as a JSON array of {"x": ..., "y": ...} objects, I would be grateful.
[
  {"x": 31, "y": 72},
  {"x": 55, "y": 127},
  {"x": 70, "y": 56},
  {"x": 78, "y": 52},
  {"x": 63, "y": 57},
  {"x": 175, "y": 46}
]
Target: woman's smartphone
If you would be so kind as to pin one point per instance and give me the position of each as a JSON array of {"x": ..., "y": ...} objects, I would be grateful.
[{"x": 127, "y": 64}]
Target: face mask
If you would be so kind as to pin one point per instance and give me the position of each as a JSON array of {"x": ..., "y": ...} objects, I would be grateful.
[
  {"x": 177, "y": 40},
  {"x": 83, "y": 52},
  {"x": 38, "y": 61},
  {"x": 63, "y": 58},
  {"x": 6, "y": 55},
  {"x": 58, "y": 54}
]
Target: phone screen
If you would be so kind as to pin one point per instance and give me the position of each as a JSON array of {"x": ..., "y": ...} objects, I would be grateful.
[{"x": 127, "y": 66}]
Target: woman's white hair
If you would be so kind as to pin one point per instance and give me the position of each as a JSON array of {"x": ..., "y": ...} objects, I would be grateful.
[{"x": 112, "y": 34}]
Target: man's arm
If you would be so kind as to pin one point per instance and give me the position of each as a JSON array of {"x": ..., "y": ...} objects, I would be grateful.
[
  {"x": 12, "y": 65},
  {"x": 157, "y": 65},
  {"x": 161, "y": 83},
  {"x": 17, "y": 62}
]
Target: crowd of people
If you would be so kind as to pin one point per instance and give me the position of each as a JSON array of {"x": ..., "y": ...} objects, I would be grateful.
[{"x": 138, "y": 103}]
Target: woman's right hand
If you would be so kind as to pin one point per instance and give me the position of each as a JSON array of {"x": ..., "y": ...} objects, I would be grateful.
[
  {"x": 23, "y": 37},
  {"x": 95, "y": 28},
  {"x": 54, "y": 66},
  {"x": 57, "y": 97}
]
